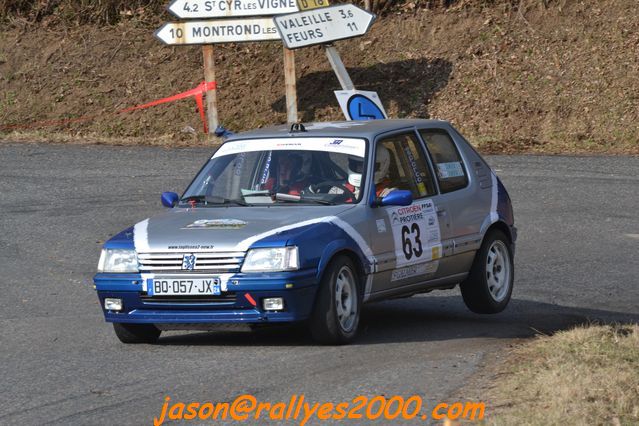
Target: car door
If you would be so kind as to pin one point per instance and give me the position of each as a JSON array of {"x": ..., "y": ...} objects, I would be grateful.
[
  {"x": 410, "y": 240},
  {"x": 458, "y": 193}
]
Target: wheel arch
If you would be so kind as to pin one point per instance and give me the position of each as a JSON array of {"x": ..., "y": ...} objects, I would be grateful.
[
  {"x": 353, "y": 256},
  {"x": 503, "y": 227}
]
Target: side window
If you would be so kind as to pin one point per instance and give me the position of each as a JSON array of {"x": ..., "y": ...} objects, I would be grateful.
[
  {"x": 449, "y": 167},
  {"x": 400, "y": 163}
]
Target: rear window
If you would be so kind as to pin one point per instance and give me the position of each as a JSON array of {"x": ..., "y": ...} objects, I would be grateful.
[{"x": 448, "y": 163}]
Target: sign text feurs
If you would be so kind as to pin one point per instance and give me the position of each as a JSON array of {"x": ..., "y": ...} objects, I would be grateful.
[{"x": 320, "y": 26}]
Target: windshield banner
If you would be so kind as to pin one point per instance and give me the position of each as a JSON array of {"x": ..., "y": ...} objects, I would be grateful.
[{"x": 349, "y": 146}]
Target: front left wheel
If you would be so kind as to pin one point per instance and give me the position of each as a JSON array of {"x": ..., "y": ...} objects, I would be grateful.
[
  {"x": 335, "y": 317},
  {"x": 489, "y": 285},
  {"x": 136, "y": 333}
]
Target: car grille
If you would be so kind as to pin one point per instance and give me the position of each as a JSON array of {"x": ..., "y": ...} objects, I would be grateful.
[
  {"x": 225, "y": 298},
  {"x": 218, "y": 262}
]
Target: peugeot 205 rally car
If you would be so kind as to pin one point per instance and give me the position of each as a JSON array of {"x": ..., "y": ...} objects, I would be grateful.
[{"x": 308, "y": 224}]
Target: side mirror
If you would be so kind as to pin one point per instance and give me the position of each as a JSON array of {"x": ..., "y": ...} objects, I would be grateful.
[
  {"x": 397, "y": 197},
  {"x": 169, "y": 199}
]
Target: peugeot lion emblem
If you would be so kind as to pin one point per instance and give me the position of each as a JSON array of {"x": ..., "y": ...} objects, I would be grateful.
[{"x": 188, "y": 262}]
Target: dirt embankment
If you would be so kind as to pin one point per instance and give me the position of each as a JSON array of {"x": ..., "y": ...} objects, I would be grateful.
[{"x": 561, "y": 78}]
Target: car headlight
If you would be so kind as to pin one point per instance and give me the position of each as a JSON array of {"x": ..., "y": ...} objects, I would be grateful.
[
  {"x": 118, "y": 260},
  {"x": 271, "y": 260}
]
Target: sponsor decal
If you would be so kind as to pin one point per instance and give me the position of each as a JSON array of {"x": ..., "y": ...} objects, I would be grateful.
[
  {"x": 416, "y": 233},
  {"x": 267, "y": 167},
  {"x": 216, "y": 224},
  {"x": 416, "y": 175},
  {"x": 450, "y": 170},
  {"x": 425, "y": 270}
]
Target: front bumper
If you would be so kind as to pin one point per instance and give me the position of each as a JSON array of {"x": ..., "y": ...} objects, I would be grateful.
[{"x": 234, "y": 306}]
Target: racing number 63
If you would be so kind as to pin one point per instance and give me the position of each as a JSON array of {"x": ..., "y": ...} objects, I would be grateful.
[{"x": 411, "y": 244}]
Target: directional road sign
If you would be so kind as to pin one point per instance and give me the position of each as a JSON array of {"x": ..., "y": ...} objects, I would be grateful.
[
  {"x": 218, "y": 31},
  {"x": 194, "y": 9},
  {"x": 321, "y": 26}
]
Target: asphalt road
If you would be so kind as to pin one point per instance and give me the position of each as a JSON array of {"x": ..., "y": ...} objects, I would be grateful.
[{"x": 61, "y": 363}]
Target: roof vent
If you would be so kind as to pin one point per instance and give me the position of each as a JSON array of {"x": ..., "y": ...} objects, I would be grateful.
[{"x": 297, "y": 127}]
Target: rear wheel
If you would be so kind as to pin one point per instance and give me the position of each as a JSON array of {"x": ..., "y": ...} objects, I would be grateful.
[
  {"x": 338, "y": 302},
  {"x": 136, "y": 333},
  {"x": 488, "y": 288}
]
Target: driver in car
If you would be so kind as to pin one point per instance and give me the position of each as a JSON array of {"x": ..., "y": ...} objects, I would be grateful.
[
  {"x": 383, "y": 184},
  {"x": 291, "y": 174}
]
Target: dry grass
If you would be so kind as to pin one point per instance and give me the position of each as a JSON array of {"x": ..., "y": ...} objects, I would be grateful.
[
  {"x": 529, "y": 76},
  {"x": 585, "y": 376}
]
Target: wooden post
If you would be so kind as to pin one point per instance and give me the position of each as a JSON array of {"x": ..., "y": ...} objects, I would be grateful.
[
  {"x": 211, "y": 95},
  {"x": 367, "y": 5},
  {"x": 289, "y": 84},
  {"x": 339, "y": 68}
]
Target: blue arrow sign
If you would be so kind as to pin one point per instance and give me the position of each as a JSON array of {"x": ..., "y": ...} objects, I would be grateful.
[{"x": 361, "y": 108}]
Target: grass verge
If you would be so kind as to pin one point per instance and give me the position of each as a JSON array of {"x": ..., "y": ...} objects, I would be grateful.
[{"x": 585, "y": 376}]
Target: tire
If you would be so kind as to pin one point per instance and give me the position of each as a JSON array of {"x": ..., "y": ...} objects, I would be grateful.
[
  {"x": 489, "y": 285},
  {"x": 338, "y": 302},
  {"x": 136, "y": 333}
]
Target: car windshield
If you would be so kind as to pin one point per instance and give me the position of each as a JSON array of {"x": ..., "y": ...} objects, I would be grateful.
[{"x": 322, "y": 171}]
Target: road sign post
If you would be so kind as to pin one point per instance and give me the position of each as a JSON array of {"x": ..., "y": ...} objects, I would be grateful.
[
  {"x": 338, "y": 67},
  {"x": 290, "y": 86},
  {"x": 211, "y": 96}
]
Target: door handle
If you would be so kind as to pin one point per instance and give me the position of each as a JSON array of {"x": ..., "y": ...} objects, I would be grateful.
[{"x": 441, "y": 212}]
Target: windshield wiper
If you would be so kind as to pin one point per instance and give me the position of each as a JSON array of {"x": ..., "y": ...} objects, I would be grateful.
[
  {"x": 213, "y": 200},
  {"x": 301, "y": 199},
  {"x": 318, "y": 201}
]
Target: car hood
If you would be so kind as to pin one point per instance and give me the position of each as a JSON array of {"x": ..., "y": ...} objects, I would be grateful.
[{"x": 226, "y": 228}]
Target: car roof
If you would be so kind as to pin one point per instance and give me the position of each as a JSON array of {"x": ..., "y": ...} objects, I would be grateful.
[{"x": 366, "y": 129}]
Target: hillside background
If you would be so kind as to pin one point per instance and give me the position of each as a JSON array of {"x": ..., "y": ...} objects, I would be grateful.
[{"x": 554, "y": 76}]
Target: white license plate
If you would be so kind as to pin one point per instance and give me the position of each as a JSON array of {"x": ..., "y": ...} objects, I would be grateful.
[{"x": 183, "y": 287}]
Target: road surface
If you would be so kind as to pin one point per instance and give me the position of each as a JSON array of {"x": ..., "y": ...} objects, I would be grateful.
[{"x": 61, "y": 363}]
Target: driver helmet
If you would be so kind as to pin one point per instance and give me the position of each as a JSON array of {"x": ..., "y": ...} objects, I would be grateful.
[
  {"x": 382, "y": 163},
  {"x": 288, "y": 165},
  {"x": 306, "y": 166},
  {"x": 355, "y": 169}
]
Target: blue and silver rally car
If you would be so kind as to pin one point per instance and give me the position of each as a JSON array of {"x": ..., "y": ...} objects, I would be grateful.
[{"x": 308, "y": 224}]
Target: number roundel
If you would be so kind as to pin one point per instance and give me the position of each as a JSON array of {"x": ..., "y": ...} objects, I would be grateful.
[{"x": 411, "y": 242}]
